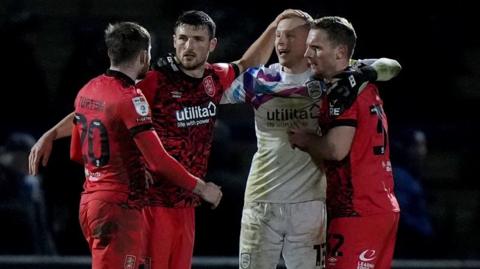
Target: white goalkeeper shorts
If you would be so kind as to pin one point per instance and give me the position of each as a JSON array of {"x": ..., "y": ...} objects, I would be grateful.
[{"x": 296, "y": 231}]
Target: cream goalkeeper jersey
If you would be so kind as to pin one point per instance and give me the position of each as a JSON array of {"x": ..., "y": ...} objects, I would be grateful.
[{"x": 278, "y": 173}]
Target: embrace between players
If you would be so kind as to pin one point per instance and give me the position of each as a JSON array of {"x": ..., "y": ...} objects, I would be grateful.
[{"x": 145, "y": 137}]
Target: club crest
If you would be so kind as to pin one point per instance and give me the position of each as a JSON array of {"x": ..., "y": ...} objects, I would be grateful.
[
  {"x": 245, "y": 260},
  {"x": 209, "y": 86},
  {"x": 314, "y": 88}
]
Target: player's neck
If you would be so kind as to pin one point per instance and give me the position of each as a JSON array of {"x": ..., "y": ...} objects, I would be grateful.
[
  {"x": 299, "y": 68},
  {"x": 127, "y": 70},
  {"x": 339, "y": 68},
  {"x": 195, "y": 73}
]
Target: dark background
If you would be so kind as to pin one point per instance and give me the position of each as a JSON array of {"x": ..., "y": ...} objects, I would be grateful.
[{"x": 49, "y": 49}]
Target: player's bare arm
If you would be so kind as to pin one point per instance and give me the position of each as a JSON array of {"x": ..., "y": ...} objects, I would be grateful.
[
  {"x": 335, "y": 145},
  {"x": 41, "y": 151},
  {"x": 261, "y": 50}
]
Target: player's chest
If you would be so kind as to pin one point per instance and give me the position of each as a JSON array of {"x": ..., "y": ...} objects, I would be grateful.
[{"x": 186, "y": 105}]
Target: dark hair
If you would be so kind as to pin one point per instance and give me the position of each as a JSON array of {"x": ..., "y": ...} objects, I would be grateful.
[
  {"x": 340, "y": 31},
  {"x": 197, "y": 18},
  {"x": 125, "y": 40}
]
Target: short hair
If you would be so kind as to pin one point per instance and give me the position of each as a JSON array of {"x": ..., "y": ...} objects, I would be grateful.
[
  {"x": 197, "y": 18},
  {"x": 124, "y": 40},
  {"x": 305, "y": 16},
  {"x": 340, "y": 31}
]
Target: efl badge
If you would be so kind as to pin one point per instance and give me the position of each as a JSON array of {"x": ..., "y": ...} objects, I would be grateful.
[
  {"x": 141, "y": 105},
  {"x": 314, "y": 88},
  {"x": 245, "y": 260},
  {"x": 209, "y": 86},
  {"x": 129, "y": 262}
]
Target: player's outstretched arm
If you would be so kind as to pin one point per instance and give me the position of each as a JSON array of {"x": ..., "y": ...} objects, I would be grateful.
[
  {"x": 386, "y": 68},
  {"x": 382, "y": 69},
  {"x": 164, "y": 165},
  {"x": 350, "y": 83},
  {"x": 41, "y": 151},
  {"x": 260, "y": 51}
]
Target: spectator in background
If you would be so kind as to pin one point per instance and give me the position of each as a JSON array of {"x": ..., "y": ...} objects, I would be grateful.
[
  {"x": 22, "y": 207},
  {"x": 415, "y": 233}
]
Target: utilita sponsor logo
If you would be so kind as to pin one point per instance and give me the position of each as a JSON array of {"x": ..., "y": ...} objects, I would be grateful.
[
  {"x": 289, "y": 114},
  {"x": 195, "y": 115}
]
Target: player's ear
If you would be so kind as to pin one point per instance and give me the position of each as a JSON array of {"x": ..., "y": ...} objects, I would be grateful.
[
  {"x": 213, "y": 44},
  {"x": 143, "y": 56},
  {"x": 341, "y": 52}
]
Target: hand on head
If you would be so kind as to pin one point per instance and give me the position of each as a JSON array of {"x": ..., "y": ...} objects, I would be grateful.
[{"x": 289, "y": 13}]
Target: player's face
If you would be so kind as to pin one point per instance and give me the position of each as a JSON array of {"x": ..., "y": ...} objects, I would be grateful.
[
  {"x": 193, "y": 45},
  {"x": 290, "y": 40},
  {"x": 321, "y": 54}
]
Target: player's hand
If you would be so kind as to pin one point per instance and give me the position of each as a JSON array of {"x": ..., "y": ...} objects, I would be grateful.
[
  {"x": 168, "y": 62},
  {"x": 301, "y": 138},
  {"x": 347, "y": 86},
  {"x": 288, "y": 13},
  {"x": 40, "y": 152},
  {"x": 210, "y": 193}
]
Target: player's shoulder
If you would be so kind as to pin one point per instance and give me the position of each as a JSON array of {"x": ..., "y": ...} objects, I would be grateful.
[
  {"x": 265, "y": 74},
  {"x": 369, "y": 94},
  {"x": 220, "y": 68},
  {"x": 370, "y": 88},
  {"x": 150, "y": 81},
  {"x": 275, "y": 67},
  {"x": 151, "y": 77},
  {"x": 159, "y": 73},
  {"x": 129, "y": 96},
  {"x": 102, "y": 78},
  {"x": 102, "y": 81}
]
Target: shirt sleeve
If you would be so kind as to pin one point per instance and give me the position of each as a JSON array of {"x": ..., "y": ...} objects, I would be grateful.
[
  {"x": 243, "y": 88},
  {"x": 235, "y": 93},
  {"x": 135, "y": 113},
  {"x": 226, "y": 72},
  {"x": 161, "y": 163},
  {"x": 76, "y": 145}
]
